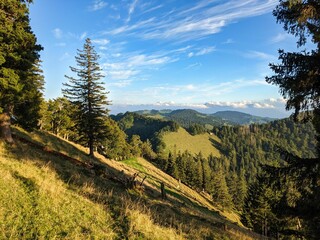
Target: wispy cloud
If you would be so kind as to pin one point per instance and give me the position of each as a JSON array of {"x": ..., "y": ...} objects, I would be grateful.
[
  {"x": 201, "y": 52},
  {"x": 194, "y": 66},
  {"x": 228, "y": 41},
  {"x": 120, "y": 83},
  {"x": 65, "y": 56},
  {"x": 97, "y": 5},
  {"x": 151, "y": 9},
  {"x": 100, "y": 41},
  {"x": 194, "y": 21},
  {"x": 280, "y": 38},
  {"x": 195, "y": 92},
  {"x": 57, "y": 32},
  {"x": 83, "y": 36},
  {"x": 121, "y": 74},
  {"x": 128, "y": 65},
  {"x": 132, "y": 7},
  {"x": 259, "y": 55}
]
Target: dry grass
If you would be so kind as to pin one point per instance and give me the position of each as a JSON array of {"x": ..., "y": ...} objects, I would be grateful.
[
  {"x": 53, "y": 198},
  {"x": 35, "y": 203}
]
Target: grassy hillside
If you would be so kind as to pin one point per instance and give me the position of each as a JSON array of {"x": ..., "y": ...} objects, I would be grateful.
[
  {"x": 182, "y": 140},
  {"x": 48, "y": 195}
]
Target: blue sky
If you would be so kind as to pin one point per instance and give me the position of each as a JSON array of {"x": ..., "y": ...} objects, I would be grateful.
[{"x": 203, "y": 54}]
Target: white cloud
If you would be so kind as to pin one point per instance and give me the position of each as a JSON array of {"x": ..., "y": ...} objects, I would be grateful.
[
  {"x": 100, "y": 41},
  {"x": 242, "y": 104},
  {"x": 228, "y": 41},
  {"x": 148, "y": 10},
  {"x": 205, "y": 51},
  {"x": 259, "y": 55},
  {"x": 97, "y": 5},
  {"x": 116, "y": 55},
  {"x": 65, "y": 56},
  {"x": 120, "y": 84},
  {"x": 201, "y": 19},
  {"x": 131, "y": 9},
  {"x": 121, "y": 74},
  {"x": 201, "y": 52},
  {"x": 263, "y": 105},
  {"x": 57, "y": 32},
  {"x": 181, "y": 105},
  {"x": 196, "y": 93},
  {"x": 280, "y": 38},
  {"x": 194, "y": 65},
  {"x": 83, "y": 35}
]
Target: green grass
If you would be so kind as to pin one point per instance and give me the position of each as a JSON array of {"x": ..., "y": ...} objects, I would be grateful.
[
  {"x": 182, "y": 141},
  {"x": 44, "y": 196},
  {"x": 134, "y": 163},
  {"x": 35, "y": 203}
]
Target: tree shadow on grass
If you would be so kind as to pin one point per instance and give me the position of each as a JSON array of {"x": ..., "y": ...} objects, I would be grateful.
[
  {"x": 111, "y": 191},
  {"x": 217, "y": 145}
]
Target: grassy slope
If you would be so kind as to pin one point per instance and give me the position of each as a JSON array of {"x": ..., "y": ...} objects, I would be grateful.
[
  {"x": 46, "y": 196},
  {"x": 182, "y": 140}
]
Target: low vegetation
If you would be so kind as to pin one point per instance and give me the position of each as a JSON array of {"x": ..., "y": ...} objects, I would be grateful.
[{"x": 49, "y": 196}]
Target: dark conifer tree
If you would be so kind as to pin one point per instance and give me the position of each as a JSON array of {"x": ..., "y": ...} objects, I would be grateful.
[
  {"x": 172, "y": 166},
  {"x": 20, "y": 82},
  {"x": 28, "y": 109},
  {"x": 220, "y": 190},
  {"x": 88, "y": 95},
  {"x": 298, "y": 77}
]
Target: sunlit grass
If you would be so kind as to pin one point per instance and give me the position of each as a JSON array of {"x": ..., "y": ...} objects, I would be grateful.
[
  {"x": 44, "y": 196},
  {"x": 182, "y": 141},
  {"x": 35, "y": 203},
  {"x": 133, "y": 162}
]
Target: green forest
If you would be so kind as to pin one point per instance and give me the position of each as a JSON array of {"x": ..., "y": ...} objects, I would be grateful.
[{"x": 266, "y": 171}]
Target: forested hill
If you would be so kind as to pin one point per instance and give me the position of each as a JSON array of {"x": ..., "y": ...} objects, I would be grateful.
[
  {"x": 237, "y": 152},
  {"x": 188, "y": 117},
  {"x": 241, "y": 118},
  {"x": 145, "y": 127}
]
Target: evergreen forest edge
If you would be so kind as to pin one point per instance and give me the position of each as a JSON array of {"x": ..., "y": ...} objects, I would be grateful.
[{"x": 275, "y": 165}]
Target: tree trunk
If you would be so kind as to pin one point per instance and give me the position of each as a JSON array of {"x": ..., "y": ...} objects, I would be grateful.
[
  {"x": 91, "y": 149},
  {"x": 5, "y": 124},
  {"x": 163, "y": 191}
]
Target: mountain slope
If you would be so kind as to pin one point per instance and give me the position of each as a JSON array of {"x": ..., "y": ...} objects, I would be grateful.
[
  {"x": 46, "y": 195},
  {"x": 182, "y": 141}
]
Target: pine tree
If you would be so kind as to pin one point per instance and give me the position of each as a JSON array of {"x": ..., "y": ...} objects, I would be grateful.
[
  {"x": 20, "y": 79},
  {"x": 172, "y": 166},
  {"x": 135, "y": 143},
  {"x": 88, "y": 95},
  {"x": 221, "y": 193},
  {"x": 115, "y": 145},
  {"x": 298, "y": 77},
  {"x": 57, "y": 118}
]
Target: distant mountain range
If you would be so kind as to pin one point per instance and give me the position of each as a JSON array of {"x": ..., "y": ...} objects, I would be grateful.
[
  {"x": 241, "y": 118},
  {"x": 187, "y": 117}
]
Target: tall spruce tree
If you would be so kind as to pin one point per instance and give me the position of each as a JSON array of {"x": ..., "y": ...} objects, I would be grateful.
[
  {"x": 88, "y": 95},
  {"x": 298, "y": 77},
  {"x": 20, "y": 81}
]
